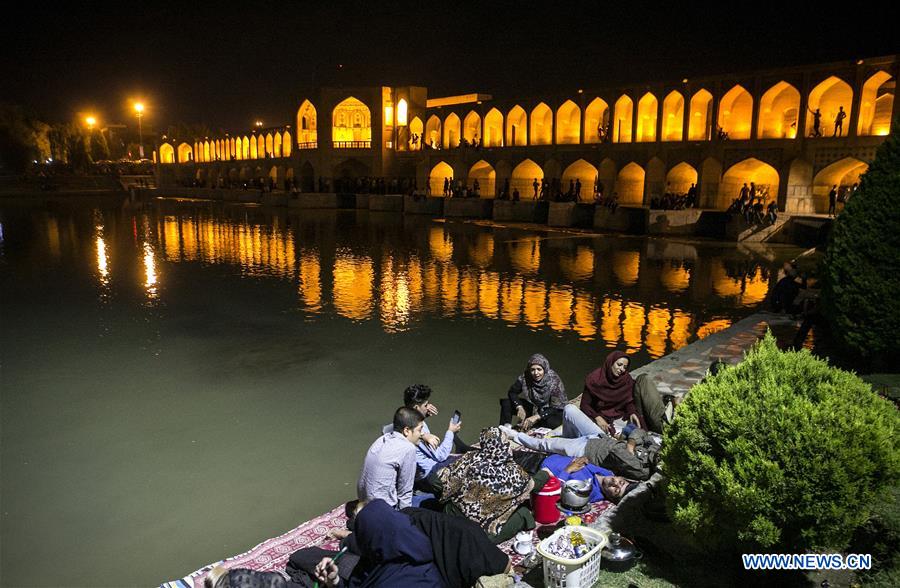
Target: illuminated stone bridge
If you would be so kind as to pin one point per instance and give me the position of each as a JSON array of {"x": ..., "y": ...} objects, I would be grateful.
[{"x": 639, "y": 141}]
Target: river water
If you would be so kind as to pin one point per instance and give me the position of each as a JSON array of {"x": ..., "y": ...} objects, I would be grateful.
[{"x": 182, "y": 380}]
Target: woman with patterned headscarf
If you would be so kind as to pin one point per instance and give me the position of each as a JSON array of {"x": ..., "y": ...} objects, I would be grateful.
[
  {"x": 488, "y": 487},
  {"x": 538, "y": 396}
]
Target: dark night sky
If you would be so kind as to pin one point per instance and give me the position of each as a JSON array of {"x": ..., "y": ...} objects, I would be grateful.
[{"x": 225, "y": 66}]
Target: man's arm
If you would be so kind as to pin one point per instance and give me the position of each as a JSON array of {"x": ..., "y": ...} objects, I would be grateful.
[{"x": 406, "y": 477}]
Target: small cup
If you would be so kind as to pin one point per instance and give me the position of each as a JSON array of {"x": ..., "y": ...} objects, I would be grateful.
[{"x": 523, "y": 545}]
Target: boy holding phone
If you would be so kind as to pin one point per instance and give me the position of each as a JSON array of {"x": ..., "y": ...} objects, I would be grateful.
[{"x": 432, "y": 452}]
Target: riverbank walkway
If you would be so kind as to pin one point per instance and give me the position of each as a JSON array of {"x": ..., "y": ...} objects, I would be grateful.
[{"x": 673, "y": 374}]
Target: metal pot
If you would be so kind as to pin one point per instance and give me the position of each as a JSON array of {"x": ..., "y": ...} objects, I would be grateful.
[
  {"x": 576, "y": 494},
  {"x": 620, "y": 553}
]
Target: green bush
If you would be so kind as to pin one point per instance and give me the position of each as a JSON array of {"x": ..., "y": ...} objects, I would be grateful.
[
  {"x": 862, "y": 263},
  {"x": 781, "y": 451}
]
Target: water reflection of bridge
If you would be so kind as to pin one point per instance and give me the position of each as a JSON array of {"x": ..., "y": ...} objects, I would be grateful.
[{"x": 634, "y": 293}]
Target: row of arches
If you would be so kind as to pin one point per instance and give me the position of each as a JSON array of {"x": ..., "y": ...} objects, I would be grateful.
[
  {"x": 254, "y": 146},
  {"x": 778, "y": 117},
  {"x": 634, "y": 183}
]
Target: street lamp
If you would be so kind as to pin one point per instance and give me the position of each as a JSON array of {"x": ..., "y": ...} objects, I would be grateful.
[
  {"x": 139, "y": 109},
  {"x": 90, "y": 121}
]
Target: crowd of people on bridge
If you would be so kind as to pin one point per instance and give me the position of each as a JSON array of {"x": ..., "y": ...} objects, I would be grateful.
[{"x": 431, "y": 510}]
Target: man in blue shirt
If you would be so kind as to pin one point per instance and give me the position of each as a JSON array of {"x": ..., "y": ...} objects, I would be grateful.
[{"x": 432, "y": 452}]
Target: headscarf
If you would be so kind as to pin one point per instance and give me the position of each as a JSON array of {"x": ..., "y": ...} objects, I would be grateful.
[
  {"x": 607, "y": 395},
  {"x": 393, "y": 551},
  {"x": 487, "y": 485},
  {"x": 550, "y": 390}
]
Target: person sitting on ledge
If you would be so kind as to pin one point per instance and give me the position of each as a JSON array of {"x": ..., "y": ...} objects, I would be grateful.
[
  {"x": 389, "y": 469},
  {"x": 488, "y": 487},
  {"x": 544, "y": 396},
  {"x": 611, "y": 393},
  {"x": 634, "y": 457}
]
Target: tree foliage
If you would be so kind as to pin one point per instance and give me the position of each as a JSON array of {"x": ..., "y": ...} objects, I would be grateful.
[
  {"x": 862, "y": 263},
  {"x": 781, "y": 452}
]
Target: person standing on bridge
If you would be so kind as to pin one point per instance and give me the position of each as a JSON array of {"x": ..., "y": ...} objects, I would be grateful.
[
  {"x": 832, "y": 200},
  {"x": 839, "y": 122},
  {"x": 817, "y": 122}
]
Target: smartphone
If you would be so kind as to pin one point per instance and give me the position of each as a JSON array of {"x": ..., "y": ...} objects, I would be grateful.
[{"x": 456, "y": 417}]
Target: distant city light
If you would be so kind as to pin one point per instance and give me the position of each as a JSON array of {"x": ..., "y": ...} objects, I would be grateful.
[
  {"x": 91, "y": 121},
  {"x": 139, "y": 107}
]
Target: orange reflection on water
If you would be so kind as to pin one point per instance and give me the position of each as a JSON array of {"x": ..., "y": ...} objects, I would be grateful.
[
  {"x": 394, "y": 297},
  {"x": 512, "y": 293},
  {"x": 468, "y": 292},
  {"x": 171, "y": 238},
  {"x": 578, "y": 266},
  {"x": 681, "y": 330},
  {"x": 559, "y": 308},
  {"x": 756, "y": 287},
  {"x": 482, "y": 253},
  {"x": 354, "y": 278},
  {"x": 449, "y": 288},
  {"x": 713, "y": 326},
  {"x": 585, "y": 320},
  {"x": 657, "y": 331},
  {"x": 723, "y": 284},
  {"x": 150, "y": 277},
  {"x": 675, "y": 279},
  {"x": 489, "y": 294},
  {"x": 310, "y": 280},
  {"x": 53, "y": 237},
  {"x": 610, "y": 326},
  {"x": 535, "y": 303},
  {"x": 525, "y": 255},
  {"x": 440, "y": 244},
  {"x": 626, "y": 265},
  {"x": 633, "y": 326}
]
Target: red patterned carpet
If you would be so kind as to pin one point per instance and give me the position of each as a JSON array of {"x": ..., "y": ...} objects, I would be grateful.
[{"x": 272, "y": 555}]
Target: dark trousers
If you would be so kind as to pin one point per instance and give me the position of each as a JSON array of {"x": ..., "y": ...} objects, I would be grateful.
[{"x": 551, "y": 420}]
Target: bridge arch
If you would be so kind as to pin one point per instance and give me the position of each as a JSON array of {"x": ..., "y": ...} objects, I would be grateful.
[
  {"x": 416, "y": 128},
  {"x": 779, "y": 110},
  {"x": 829, "y": 96},
  {"x": 586, "y": 174},
  {"x": 568, "y": 123},
  {"x": 736, "y": 112},
  {"x": 843, "y": 174},
  {"x": 441, "y": 171},
  {"x": 486, "y": 175},
  {"x": 493, "y": 128},
  {"x": 433, "y": 132},
  {"x": 472, "y": 127},
  {"x": 451, "y": 131},
  {"x": 673, "y": 116},
  {"x": 623, "y": 117},
  {"x": 541, "y": 125},
  {"x": 517, "y": 127},
  {"x": 596, "y": 117},
  {"x": 750, "y": 170},
  {"x": 648, "y": 106},
  {"x": 166, "y": 153},
  {"x": 876, "y": 105},
  {"x": 306, "y": 125},
  {"x": 630, "y": 184},
  {"x": 351, "y": 124},
  {"x": 680, "y": 178},
  {"x": 700, "y": 125},
  {"x": 523, "y": 177},
  {"x": 185, "y": 153}
]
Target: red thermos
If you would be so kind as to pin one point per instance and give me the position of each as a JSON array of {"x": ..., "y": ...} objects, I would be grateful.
[{"x": 543, "y": 503}]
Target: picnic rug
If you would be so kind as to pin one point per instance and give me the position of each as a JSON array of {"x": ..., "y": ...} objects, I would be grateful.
[{"x": 272, "y": 554}]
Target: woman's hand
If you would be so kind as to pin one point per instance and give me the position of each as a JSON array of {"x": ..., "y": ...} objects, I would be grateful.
[
  {"x": 327, "y": 572},
  {"x": 430, "y": 410},
  {"x": 635, "y": 420},
  {"x": 601, "y": 422},
  {"x": 340, "y": 533},
  {"x": 520, "y": 412},
  {"x": 530, "y": 422}
]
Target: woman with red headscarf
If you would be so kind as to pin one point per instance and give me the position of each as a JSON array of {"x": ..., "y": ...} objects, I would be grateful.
[{"x": 611, "y": 393}]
